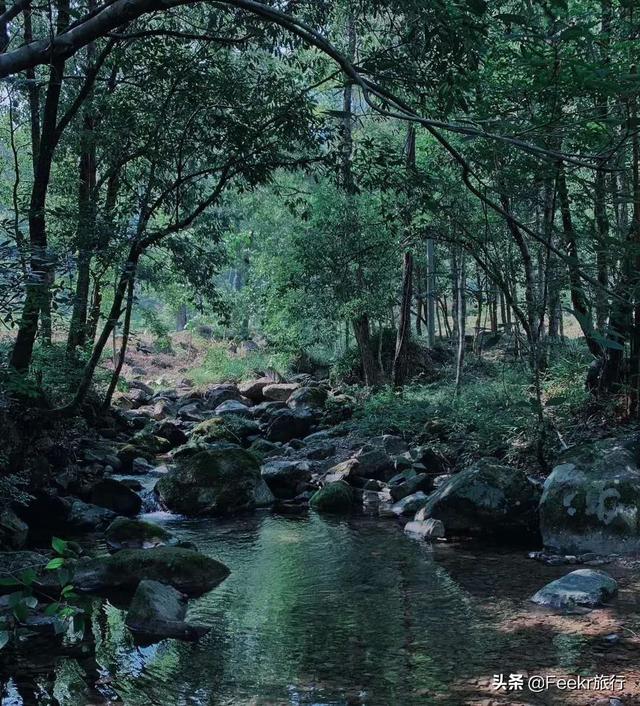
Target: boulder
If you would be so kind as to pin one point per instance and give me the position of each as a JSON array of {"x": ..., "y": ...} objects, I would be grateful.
[
  {"x": 319, "y": 451},
  {"x": 172, "y": 433},
  {"x": 13, "y": 530},
  {"x": 280, "y": 391},
  {"x": 233, "y": 407},
  {"x": 193, "y": 412},
  {"x": 591, "y": 501},
  {"x": 307, "y": 398},
  {"x": 265, "y": 409},
  {"x": 486, "y": 499},
  {"x": 84, "y": 517},
  {"x": 392, "y": 444},
  {"x": 584, "y": 587},
  {"x": 410, "y": 504},
  {"x": 346, "y": 471},
  {"x": 408, "y": 482},
  {"x": 186, "y": 570},
  {"x": 218, "y": 394},
  {"x": 433, "y": 461},
  {"x": 286, "y": 479},
  {"x": 232, "y": 428},
  {"x": 425, "y": 529},
  {"x": 286, "y": 424},
  {"x": 128, "y": 453},
  {"x": 375, "y": 463},
  {"x": 158, "y": 611},
  {"x": 116, "y": 496},
  {"x": 214, "y": 479},
  {"x": 253, "y": 389},
  {"x": 125, "y": 533},
  {"x": 147, "y": 441},
  {"x": 333, "y": 498},
  {"x": 265, "y": 448}
]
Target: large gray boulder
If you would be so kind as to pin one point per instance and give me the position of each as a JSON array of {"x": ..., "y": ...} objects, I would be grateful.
[
  {"x": 486, "y": 499},
  {"x": 220, "y": 393},
  {"x": 116, "y": 496},
  {"x": 591, "y": 501},
  {"x": 253, "y": 389},
  {"x": 85, "y": 517},
  {"x": 307, "y": 398},
  {"x": 186, "y": 570},
  {"x": 126, "y": 533},
  {"x": 286, "y": 479},
  {"x": 584, "y": 587},
  {"x": 279, "y": 391},
  {"x": 158, "y": 611},
  {"x": 286, "y": 424},
  {"x": 214, "y": 479}
]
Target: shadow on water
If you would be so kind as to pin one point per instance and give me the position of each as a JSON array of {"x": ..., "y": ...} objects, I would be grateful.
[{"x": 322, "y": 612}]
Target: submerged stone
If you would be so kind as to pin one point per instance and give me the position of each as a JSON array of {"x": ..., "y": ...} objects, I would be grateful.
[
  {"x": 583, "y": 587},
  {"x": 158, "y": 611}
]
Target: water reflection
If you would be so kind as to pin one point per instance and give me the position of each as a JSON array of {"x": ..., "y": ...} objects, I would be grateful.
[{"x": 315, "y": 612}]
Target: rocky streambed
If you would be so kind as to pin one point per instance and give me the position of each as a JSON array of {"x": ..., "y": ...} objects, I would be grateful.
[{"x": 242, "y": 548}]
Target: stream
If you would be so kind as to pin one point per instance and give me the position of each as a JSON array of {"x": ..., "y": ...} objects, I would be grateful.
[{"x": 317, "y": 611}]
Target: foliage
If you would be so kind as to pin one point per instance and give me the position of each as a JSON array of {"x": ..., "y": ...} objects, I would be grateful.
[
  {"x": 63, "y": 608},
  {"x": 220, "y": 365}
]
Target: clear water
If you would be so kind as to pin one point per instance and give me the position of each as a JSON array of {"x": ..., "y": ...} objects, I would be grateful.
[{"x": 316, "y": 611}]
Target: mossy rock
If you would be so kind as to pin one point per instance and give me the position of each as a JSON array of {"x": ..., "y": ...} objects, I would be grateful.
[
  {"x": 231, "y": 428},
  {"x": 186, "y": 570},
  {"x": 334, "y": 497},
  {"x": 125, "y": 533},
  {"x": 151, "y": 443},
  {"x": 215, "y": 479},
  {"x": 128, "y": 453},
  {"x": 591, "y": 501},
  {"x": 487, "y": 498}
]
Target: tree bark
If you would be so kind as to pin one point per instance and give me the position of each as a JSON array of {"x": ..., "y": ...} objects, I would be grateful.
[{"x": 401, "y": 358}]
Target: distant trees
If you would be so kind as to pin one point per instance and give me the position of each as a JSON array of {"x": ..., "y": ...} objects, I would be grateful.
[{"x": 425, "y": 151}]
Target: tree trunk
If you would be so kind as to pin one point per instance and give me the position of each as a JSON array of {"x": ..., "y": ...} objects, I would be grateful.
[
  {"x": 37, "y": 289},
  {"x": 401, "y": 358},
  {"x": 126, "y": 326},
  {"x": 362, "y": 334},
  {"x": 181, "y": 317},
  {"x": 461, "y": 315},
  {"x": 430, "y": 294}
]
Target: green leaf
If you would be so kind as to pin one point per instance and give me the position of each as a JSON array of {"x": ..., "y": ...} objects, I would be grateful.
[
  {"x": 55, "y": 563},
  {"x": 9, "y": 581},
  {"x": 4, "y": 638},
  {"x": 28, "y": 577},
  {"x": 59, "y": 545}
]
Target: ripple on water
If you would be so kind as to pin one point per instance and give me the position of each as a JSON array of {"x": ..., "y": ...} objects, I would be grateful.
[{"x": 316, "y": 611}]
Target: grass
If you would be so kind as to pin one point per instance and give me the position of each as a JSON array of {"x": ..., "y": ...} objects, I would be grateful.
[
  {"x": 219, "y": 365},
  {"x": 494, "y": 414}
]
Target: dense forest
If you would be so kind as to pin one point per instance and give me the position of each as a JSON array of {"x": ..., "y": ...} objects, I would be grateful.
[{"x": 326, "y": 315}]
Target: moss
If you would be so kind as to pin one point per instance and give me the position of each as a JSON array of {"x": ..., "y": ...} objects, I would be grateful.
[
  {"x": 125, "y": 532},
  {"x": 334, "y": 497},
  {"x": 184, "y": 569},
  {"x": 214, "y": 480},
  {"x": 231, "y": 428}
]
